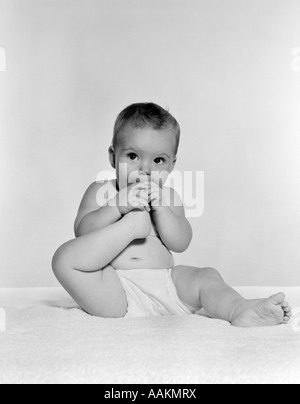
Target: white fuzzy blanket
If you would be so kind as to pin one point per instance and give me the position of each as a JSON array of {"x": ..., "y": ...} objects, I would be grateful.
[{"x": 48, "y": 340}]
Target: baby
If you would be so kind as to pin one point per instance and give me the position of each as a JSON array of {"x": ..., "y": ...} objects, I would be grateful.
[{"x": 120, "y": 264}]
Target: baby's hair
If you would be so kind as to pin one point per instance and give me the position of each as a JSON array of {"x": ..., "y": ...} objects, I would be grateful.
[{"x": 146, "y": 115}]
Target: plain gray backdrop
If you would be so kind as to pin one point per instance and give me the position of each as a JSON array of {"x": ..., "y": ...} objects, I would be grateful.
[{"x": 225, "y": 68}]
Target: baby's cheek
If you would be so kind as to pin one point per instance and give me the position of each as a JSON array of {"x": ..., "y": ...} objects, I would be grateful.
[
  {"x": 160, "y": 177},
  {"x": 123, "y": 175}
]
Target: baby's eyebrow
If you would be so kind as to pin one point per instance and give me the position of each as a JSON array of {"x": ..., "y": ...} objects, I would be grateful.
[
  {"x": 165, "y": 154},
  {"x": 129, "y": 149}
]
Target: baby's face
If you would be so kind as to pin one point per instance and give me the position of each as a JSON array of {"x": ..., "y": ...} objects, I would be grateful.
[{"x": 145, "y": 154}]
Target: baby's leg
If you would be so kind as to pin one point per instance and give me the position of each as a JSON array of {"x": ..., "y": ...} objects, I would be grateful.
[
  {"x": 206, "y": 288},
  {"x": 98, "y": 293},
  {"x": 83, "y": 268}
]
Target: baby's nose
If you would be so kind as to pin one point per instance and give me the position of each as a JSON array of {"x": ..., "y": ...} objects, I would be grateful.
[{"x": 145, "y": 169}]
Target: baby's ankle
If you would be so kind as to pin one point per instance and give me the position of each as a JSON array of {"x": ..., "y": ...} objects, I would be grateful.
[{"x": 238, "y": 307}]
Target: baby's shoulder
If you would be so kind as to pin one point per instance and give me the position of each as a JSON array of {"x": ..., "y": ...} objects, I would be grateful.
[
  {"x": 105, "y": 191},
  {"x": 98, "y": 184},
  {"x": 99, "y": 192}
]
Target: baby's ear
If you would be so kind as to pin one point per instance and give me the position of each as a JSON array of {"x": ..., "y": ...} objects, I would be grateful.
[{"x": 112, "y": 156}]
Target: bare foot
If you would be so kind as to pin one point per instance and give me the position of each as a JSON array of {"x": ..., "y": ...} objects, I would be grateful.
[{"x": 262, "y": 312}]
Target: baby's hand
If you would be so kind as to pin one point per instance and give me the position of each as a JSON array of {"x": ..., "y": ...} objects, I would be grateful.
[
  {"x": 156, "y": 196},
  {"x": 133, "y": 197},
  {"x": 141, "y": 222}
]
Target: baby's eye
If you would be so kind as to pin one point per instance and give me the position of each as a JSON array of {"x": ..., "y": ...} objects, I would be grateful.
[
  {"x": 159, "y": 161},
  {"x": 132, "y": 156}
]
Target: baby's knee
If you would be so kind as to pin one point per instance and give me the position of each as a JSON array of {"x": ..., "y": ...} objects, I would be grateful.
[
  {"x": 211, "y": 271},
  {"x": 210, "y": 274},
  {"x": 201, "y": 272}
]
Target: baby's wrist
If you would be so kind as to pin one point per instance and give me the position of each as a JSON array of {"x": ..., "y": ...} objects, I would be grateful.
[
  {"x": 120, "y": 209},
  {"x": 130, "y": 225},
  {"x": 113, "y": 204}
]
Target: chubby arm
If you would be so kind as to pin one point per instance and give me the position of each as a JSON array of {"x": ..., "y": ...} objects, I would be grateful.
[
  {"x": 90, "y": 216},
  {"x": 173, "y": 227},
  {"x": 94, "y": 251}
]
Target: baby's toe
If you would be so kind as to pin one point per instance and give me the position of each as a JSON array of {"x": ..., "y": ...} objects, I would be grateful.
[
  {"x": 288, "y": 313},
  {"x": 288, "y": 310},
  {"x": 284, "y": 305}
]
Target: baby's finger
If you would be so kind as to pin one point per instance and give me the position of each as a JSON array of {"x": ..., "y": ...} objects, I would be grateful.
[
  {"x": 145, "y": 203},
  {"x": 155, "y": 195},
  {"x": 156, "y": 200},
  {"x": 141, "y": 191},
  {"x": 140, "y": 185},
  {"x": 138, "y": 205},
  {"x": 148, "y": 209},
  {"x": 135, "y": 193},
  {"x": 143, "y": 194},
  {"x": 143, "y": 208},
  {"x": 153, "y": 187},
  {"x": 140, "y": 202}
]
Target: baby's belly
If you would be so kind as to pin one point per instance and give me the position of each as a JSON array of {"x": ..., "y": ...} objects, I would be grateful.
[{"x": 143, "y": 254}]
